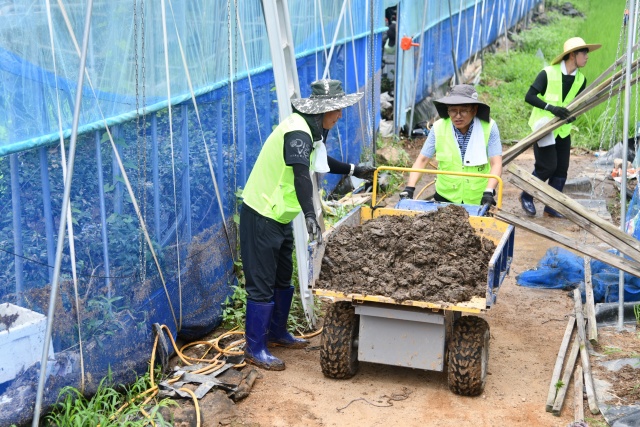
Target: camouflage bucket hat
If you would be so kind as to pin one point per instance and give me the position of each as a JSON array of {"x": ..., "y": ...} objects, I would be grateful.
[
  {"x": 462, "y": 95},
  {"x": 326, "y": 95}
]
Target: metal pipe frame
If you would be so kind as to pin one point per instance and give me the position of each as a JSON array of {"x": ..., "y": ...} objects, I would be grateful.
[
  {"x": 65, "y": 208},
  {"x": 103, "y": 215},
  {"x": 48, "y": 215},
  {"x": 16, "y": 206},
  {"x": 186, "y": 189}
]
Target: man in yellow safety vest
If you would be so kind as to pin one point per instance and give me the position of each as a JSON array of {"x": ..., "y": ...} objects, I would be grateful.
[
  {"x": 278, "y": 189},
  {"x": 464, "y": 139},
  {"x": 553, "y": 89}
]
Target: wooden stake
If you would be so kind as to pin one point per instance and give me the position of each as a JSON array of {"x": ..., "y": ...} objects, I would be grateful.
[
  {"x": 517, "y": 149},
  {"x": 590, "y": 309},
  {"x": 566, "y": 378},
  {"x": 576, "y": 213},
  {"x": 557, "y": 369},
  {"x": 584, "y": 354},
  {"x": 578, "y": 395},
  {"x": 623, "y": 264}
]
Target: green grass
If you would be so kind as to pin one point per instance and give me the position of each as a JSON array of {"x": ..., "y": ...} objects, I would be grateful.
[
  {"x": 603, "y": 24},
  {"x": 507, "y": 77},
  {"x": 74, "y": 409}
]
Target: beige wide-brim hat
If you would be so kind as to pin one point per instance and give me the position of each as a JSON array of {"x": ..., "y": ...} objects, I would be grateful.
[
  {"x": 326, "y": 95},
  {"x": 573, "y": 44}
]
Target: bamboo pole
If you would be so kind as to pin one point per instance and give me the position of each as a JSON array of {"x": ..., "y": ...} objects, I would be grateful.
[
  {"x": 629, "y": 266},
  {"x": 566, "y": 378},
  {"x": 576, "y": 213},
  {"x": 557, "y": 369},
  {"x": 592, "y": 326},
  {"x": 555, "y": 123},
  {"x": 578, "y": 396},
  {"x": 584, "y": 354}
]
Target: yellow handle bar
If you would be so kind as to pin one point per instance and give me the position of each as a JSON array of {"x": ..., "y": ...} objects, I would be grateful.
[{"x": 434, "y": 172}]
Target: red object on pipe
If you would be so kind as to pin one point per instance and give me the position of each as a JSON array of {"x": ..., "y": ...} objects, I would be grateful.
[{"x": 406, "y": 42}]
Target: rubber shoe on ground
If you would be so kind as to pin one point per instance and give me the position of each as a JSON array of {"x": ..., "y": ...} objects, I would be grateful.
[
  {"x": 256, "y": 331},
  {"x": 551, "y": 213},
  {"x": 526, "y": 200},
  {"x": 278, "y": 333},
  {"x": 558, "y": 184}
]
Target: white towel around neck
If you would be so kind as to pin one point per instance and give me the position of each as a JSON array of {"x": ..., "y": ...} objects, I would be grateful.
[
  {"x": 476, "y": 153},
  {"x": 319, "y": 161}
]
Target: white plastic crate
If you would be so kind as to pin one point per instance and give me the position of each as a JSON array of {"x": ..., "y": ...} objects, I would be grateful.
[{"x": 21, "y": 343}]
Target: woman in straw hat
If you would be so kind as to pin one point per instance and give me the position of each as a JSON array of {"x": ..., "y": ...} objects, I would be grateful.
[
  {"x": 278, "y": 189},
  {"x": 553, "y": 89},
  {"x": 464, "y": 139}
]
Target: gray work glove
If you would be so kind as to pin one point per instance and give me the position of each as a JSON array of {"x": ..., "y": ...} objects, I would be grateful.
[
  {"x": 559, "y": 112},
  {"x": 313, "y": 228},
  {"x": 407, "y": 193},
  {"x": 364, "y": 172}
]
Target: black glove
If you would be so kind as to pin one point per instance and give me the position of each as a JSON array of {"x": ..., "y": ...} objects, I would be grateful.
[
  {"x": 487, "y": 197},
  {"x": 571, "y": 119},
  {"x": 560, "y": 112},
  {"x": 407, "y": 193},
  {"x": 313, "y": 228},
  {"x": 364, "y": 172}
]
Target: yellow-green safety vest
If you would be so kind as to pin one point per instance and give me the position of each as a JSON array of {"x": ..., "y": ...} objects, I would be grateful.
[
  {"x": 458, "y": 189},
  {"x": 553, "y": 96},
  {"x": 270, "y": 190}
]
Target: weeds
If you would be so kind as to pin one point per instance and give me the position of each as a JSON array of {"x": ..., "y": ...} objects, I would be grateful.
[
  {"x": 609, "y": 350},
  {"x": 74, "y": 409}
]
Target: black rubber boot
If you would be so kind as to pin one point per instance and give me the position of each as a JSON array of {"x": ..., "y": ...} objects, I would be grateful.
[
  {"x": 278, "y": 333},
  {"x": 558, "y": 184},
  {"x": 256, "y": 330}
]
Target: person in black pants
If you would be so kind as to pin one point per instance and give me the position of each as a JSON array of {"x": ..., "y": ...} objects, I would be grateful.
[{"x": 553, "y": 89}]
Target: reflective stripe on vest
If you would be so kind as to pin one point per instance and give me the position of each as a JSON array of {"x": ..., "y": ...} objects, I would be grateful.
[
  {"x": 270, "y": 190},
  {"x": 553, "y": 96},
  {"x": 458, "y": 189}
]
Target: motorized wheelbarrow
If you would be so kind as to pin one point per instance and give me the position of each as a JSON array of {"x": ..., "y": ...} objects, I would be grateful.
[{"x": 426, "y": 335}]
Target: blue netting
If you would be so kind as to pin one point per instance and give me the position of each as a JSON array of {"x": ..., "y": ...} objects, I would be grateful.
[{"x": 562, "y": 269}]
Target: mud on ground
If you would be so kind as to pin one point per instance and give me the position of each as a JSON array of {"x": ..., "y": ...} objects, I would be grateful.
[{"x": 434, "y": 257}]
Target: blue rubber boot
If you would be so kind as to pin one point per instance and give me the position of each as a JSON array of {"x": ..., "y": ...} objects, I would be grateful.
[
  {"x": 558, "y": 184},
  {"x": 256, "y": 331},
  {"x": 278, "y": 333},
  {"x": 526, "y": 200}
]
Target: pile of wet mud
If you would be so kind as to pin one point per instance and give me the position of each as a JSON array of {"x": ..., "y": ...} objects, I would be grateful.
[{"x": 433, "y": 257}]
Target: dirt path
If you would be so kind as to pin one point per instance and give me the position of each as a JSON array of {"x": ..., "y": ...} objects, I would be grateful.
[{"x": 527, "y": 326}]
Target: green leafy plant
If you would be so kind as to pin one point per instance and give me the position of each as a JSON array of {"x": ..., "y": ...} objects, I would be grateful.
[
  {"x": 636, "y": 312},
  {"x": 74, "y": 409},
  {"x": 559, "y": 385},
  {"x": 235, "y": 308}
]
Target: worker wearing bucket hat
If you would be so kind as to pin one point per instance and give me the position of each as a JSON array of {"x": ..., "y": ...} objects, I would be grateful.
[
  {"x": 553, "y": 89},
  {"x": 278, "y": 189},
  {"x": 464, "y": 139}
]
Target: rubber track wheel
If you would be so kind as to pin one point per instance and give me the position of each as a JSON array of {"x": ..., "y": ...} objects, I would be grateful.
[
  {"x": 339, "y": 353},
  {"x": 468, "y": 356}
]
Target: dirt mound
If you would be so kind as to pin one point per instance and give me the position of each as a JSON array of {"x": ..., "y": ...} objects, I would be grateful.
[{"x": 434, "y": 257}]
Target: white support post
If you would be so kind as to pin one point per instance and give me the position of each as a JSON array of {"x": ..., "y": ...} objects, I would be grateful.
[{"x": 285, "y": 72}]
